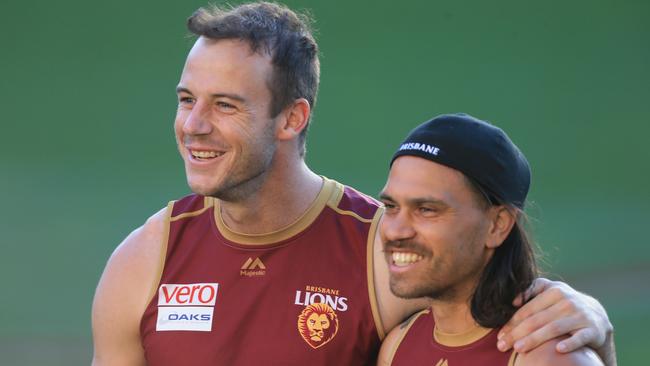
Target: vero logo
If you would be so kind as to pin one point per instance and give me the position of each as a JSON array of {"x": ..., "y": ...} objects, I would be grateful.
[
  {"x": 197, "y": 294},
  {"x": 188, "y": 307}
]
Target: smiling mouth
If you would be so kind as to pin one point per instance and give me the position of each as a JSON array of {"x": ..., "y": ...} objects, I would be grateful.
[
  {"x": 403, "y": 259},
  {"x": 203, "y": 155}
]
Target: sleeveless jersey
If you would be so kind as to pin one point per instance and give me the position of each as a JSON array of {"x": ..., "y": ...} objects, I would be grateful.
[
  {"x": 421, "y": 344},
  {"x": 303, "y": 295}
]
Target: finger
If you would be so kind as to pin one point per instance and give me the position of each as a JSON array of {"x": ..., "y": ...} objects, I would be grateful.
[
  {"x": 577, "y": 340},
  {"x": 537, "y": 304},
  {"x": 525, "y": 341},
  {"x": 540, "y": 327},
  {"x": 538, "y": 286},
  {"x": 520, "y": 331}
]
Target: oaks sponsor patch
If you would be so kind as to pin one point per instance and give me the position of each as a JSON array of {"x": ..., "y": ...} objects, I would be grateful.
[{"x": 188, "y": 307}]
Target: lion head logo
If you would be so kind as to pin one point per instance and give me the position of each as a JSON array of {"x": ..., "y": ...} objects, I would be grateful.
[{"x": 318, "y": 324}]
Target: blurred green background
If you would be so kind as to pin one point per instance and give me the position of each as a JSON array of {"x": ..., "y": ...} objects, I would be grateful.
[{"x": 87, "y": 150}]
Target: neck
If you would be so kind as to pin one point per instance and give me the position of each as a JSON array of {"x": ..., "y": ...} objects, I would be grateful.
[
  {"x": 453, "y": 317},
  {"x": 285, "y": 194}
]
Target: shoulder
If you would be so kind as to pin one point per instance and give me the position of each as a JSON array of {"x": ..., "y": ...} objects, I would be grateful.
[
  {"x": 394, "y": 338},
  {"x": 546, "y": 354},
  {"x": 124, "y": 290}
]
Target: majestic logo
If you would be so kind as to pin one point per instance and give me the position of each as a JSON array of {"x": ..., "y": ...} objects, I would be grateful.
[
  {"x": 318, "y": 324},
  {"x": 252, "y": 268},
  {"x": 186, "y": 307},
  {"x": 442, "y": 362}
]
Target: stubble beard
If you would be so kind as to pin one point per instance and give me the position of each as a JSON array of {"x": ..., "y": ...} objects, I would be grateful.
[{"x": 250, "y": 173}]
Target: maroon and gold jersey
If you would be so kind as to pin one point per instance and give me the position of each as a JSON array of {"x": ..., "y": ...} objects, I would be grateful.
[
  {"x": 303, "y": 295},
  {"x": 422, "y": 344}
]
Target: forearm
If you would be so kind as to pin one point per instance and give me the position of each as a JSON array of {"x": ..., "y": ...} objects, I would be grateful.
[{"x": 607, "y": 352}]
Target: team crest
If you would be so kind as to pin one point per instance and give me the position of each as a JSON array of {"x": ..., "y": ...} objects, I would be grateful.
[{"x": 318, "y": 324}]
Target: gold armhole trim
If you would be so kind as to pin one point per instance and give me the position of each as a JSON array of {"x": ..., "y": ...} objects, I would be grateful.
[
  {"x": 284, "y": 233},
  {"x": 163, "y": 252},
  {"x": 189, "y": 214},
  {"x": 410, "y": 321},
  {"x": 462, "y": 339},
  {"x": 370, "y": 268},
  {"x": 513, "y": 358}
]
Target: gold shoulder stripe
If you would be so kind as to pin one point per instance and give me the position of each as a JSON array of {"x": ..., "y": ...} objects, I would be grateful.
[
  {"x": 163, "y": 251},
  {"x": 370, "y": 268},
  {"x": 189, "y": 214},
  {"x": 335, "y": 200},
  {"x": 350, "y": 213},
  {"x": 405, "y": 327},
  {"x": 513, "y": 358}
]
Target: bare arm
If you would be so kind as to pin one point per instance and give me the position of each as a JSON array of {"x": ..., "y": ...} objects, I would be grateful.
[
  {"x": 546, "y": 354},
  {"x": 556, "y": 309},
  {"x": 390, "y": 344},
  {"x": 123, "y": 293}
]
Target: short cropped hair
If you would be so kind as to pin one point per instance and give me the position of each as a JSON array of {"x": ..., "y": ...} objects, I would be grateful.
[{"x": 278, "y": 32}]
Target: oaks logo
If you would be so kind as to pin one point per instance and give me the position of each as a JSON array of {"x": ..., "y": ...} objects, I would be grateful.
[
  {"x": 442, "y": 362},
  {"x": 318, "y": 324},
  {"x": 252, "y": 268},
  {"x": 188, "y": 307}
]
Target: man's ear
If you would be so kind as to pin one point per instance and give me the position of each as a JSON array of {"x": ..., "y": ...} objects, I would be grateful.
[
  {"x": 502, "y": 220},
  {"x": 295, "y": 118}
]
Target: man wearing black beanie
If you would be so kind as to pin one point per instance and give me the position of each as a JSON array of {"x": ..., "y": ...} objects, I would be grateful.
[{"x": 452, "y": 232}]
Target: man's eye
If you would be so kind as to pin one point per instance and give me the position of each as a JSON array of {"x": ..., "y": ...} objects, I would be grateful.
[
  {"x": 185, "y": 100},
  {"x": 225, "y": 106},
  {"x": 427, "y": 210}
]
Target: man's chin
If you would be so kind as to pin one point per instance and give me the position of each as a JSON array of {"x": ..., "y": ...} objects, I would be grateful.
[{"x": 202, "y": 189}]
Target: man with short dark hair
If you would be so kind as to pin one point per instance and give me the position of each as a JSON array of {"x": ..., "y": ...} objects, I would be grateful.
[
  {"x": 453, "y": 232},
  {"x": 267, "y": 262}
]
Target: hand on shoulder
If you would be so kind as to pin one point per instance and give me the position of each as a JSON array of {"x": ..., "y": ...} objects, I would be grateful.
[{"x": 546, "y": 354}]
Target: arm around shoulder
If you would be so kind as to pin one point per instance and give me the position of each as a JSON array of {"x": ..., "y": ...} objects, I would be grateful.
[
  {"x": 546, "y": 354},
  {"x": 124, "y": 291}
]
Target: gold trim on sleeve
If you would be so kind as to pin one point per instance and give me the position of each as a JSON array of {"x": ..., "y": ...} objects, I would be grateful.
[
  {"x": 189, "y": 214},
  {"x": 513, "y": 358},
  {"x": 370, "y": 268},
  {"x": 405, "y": 327}
]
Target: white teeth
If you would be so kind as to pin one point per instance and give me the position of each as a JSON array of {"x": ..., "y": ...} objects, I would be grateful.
[
  {"x": 205, "y": 154},
  {"x": 402, "y": 259}
]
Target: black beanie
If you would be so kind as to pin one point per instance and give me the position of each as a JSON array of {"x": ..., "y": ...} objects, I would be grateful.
[{"x": 479, "y": 150}]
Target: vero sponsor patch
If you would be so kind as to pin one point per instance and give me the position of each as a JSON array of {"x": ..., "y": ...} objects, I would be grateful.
[{"x": 188, "y": 307}]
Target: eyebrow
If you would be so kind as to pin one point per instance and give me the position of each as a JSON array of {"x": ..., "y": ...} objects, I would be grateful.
[
  {"x": 180, "y": 89},
  {"x": 415, "y": 201}
]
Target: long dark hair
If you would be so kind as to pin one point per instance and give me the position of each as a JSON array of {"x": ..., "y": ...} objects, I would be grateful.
[{"x": 510, "y": 271}]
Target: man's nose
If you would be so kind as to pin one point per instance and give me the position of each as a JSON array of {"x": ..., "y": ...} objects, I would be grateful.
[
  {"x": 397, "y": 227},
  {"x": 198, "y": 121}
]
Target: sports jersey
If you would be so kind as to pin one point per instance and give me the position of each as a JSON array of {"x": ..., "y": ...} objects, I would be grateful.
[
  {"x": 423, "y": 344},
  {"x": 303, "y": 295}
]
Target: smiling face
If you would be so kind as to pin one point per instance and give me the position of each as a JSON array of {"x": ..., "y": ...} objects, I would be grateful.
[
  {"x": 224, "y": 132},
  {"x": 434, "y": 231}
]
